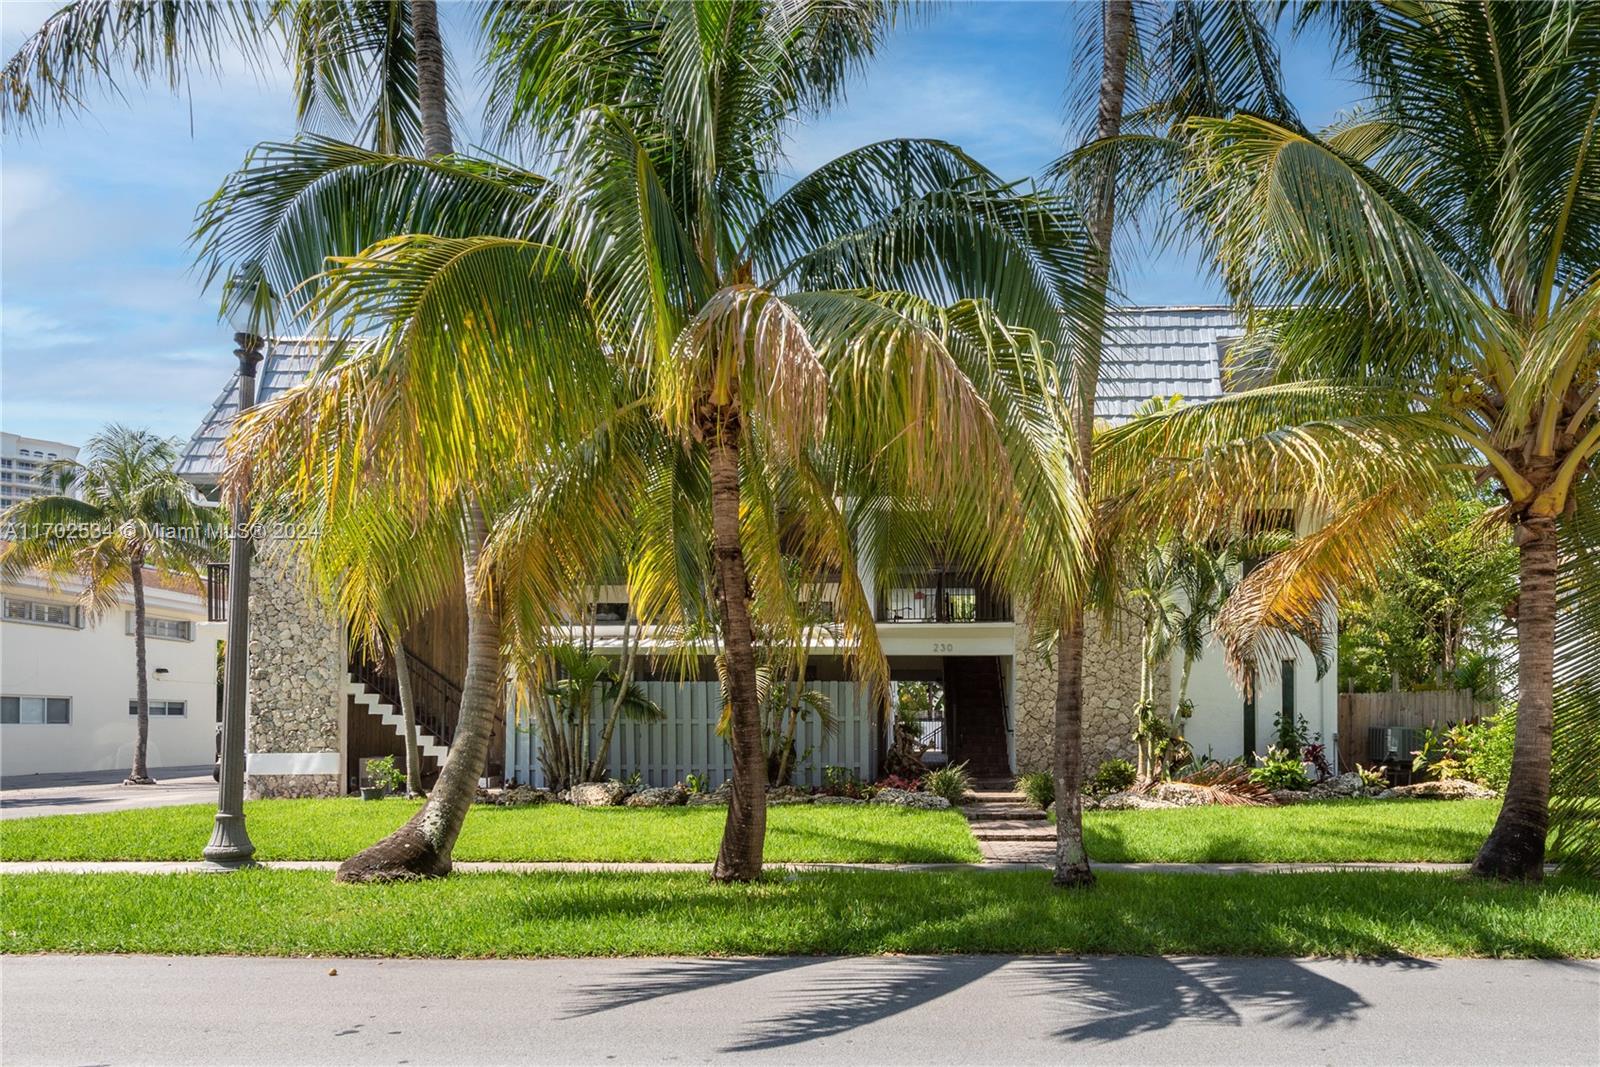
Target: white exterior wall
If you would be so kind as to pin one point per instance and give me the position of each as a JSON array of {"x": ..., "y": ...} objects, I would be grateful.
[
  {"x": 94, "y": 667},
  {"x": 1218, "y": 723}
]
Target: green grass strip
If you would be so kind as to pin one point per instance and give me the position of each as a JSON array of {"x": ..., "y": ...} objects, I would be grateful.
[
  {"x": 1373, "y": 831},
  {"x": 338, "y": 829},
  {"x": 1340, "y": 831},
  {"x": 282, "y": 913}
]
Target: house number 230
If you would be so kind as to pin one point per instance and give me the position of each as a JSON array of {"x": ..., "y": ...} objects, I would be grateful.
[{"x": 943, "y": 646}]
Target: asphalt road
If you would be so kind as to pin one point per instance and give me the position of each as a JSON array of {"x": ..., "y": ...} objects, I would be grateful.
[
  {"x": 816, "y": 1011},
  {"x": 23, "y": 797}
]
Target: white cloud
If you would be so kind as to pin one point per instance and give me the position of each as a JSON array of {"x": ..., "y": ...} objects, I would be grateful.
[{"x": 28, "y": 327}]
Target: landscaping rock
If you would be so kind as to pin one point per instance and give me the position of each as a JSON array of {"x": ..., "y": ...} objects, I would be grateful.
[
  {"x": 599, "y": 794},
  {"x": 902, "y": 798},
  {"x": 523, "y": 796},
  {"x": 1132, "y": 801},
  {"x": 665, "y": 797},
  {"x": 1345, "y": 785},
  {"x": 788, "y": 794},
  {"x": 837, "y": 800},
  {"x": 1179, "y": 794},
  {"x": 706, "y": 800},
  {"x": 1449, "y": 789},
  {"x": 1289, "y": 796}
]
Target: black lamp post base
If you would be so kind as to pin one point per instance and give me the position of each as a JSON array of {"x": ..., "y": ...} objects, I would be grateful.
[{"x": 230, "y": 847}]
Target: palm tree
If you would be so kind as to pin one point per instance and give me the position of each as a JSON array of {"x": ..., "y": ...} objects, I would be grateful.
[
  {"x": 1072, "y": 859},
  {"x": 128, "y": 512},
  {"x": 370, "y": 70},
  {"x": 1194, "y": 58},
  {"x": 1423, "y": 278},
  {"x": 738, "y": 340}
]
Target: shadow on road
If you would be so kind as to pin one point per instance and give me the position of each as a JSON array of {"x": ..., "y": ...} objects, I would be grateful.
[{"x": 1097, "y": 999}]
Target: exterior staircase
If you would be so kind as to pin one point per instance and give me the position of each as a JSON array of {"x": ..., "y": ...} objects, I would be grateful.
[
  {"x": 1008, "y": 828},
  {"x": 975, "y": 723},
  {"x": 376, "y": 704}
]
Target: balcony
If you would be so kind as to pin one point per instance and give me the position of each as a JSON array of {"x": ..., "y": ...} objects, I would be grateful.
[{"x": 941, "y": 596}]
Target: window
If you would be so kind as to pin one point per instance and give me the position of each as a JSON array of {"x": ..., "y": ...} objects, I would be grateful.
[
  {"x": 172, "y": 709},
  {"x": 46, "y": 711},
  {"x": 166, "y": 629},
  {"x": 43, "y": 613}
]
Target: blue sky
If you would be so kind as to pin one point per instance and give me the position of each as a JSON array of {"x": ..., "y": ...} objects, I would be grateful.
[{"x": 101, "y": 320}]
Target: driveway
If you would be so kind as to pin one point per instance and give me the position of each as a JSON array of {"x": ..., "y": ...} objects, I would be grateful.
[
  {"x": 22, "y": 796},
  {"x": 816, "y": 1011}
]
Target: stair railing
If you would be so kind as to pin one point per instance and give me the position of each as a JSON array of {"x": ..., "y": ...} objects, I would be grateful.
[{"x": 435, "y": 698}]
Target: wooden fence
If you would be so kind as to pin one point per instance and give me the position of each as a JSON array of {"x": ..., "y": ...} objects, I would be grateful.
[
  {"x": 686, "y": 740},
  {"x": 1359, "y": 713}
]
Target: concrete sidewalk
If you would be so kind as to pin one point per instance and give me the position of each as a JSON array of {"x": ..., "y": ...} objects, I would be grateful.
[
  {"x": 513, "y": 867},
  {"x": 818, "y": 1011},
  {"x": 25, "y": 796}
]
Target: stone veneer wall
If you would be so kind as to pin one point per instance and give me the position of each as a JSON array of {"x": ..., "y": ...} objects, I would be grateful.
[
  {"x": 297, "y": 675},
  {"x": 1110, "y": 694}
]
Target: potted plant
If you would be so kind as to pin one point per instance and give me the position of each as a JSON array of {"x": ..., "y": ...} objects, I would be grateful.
[{"x": 382, "y": 778}]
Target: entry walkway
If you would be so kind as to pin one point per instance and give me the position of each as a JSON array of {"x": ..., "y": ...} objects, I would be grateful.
[{"x": 1008, "y": 828}]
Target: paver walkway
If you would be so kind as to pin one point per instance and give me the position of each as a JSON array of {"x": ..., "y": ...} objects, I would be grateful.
[{"x": 1008, "y": 828}]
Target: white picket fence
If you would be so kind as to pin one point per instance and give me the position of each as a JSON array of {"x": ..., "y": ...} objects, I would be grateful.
[{"x": 686, "y": 741}]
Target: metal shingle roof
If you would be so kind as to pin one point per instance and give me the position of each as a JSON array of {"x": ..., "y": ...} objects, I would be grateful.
[
  {"x": 1149, "y": 352},
  {"x": 285, "y": 363},
  {"x": 1160, "y": 351}
]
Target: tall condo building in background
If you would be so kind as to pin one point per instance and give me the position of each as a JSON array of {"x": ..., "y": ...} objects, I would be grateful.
[{"x": 21, "y": 459}]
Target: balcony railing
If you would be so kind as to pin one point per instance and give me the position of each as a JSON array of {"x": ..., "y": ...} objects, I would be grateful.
[
  {"x": 216, "y": 592},
  {"x": 941, "y": 597}
]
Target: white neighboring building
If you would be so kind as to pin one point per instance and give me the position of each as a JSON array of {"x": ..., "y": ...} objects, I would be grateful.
[
  {"x": 67, "y": 684},
  {"x": 20, "y": 461}
]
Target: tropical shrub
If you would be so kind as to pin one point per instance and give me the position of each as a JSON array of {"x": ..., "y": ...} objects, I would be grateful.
[
  {"x": 383, "y": 774},
  {"x": 896, "y": 781},
  {"x": 951, "y": 782},
  {"x": 1294, "y": 735},
  {"x": 1373, "y": 777},
  {"x": 1317, "y": 755},
  {"x": 1490, "y": 760},
  {"x": 1474, "y": 751},
  {"x": 1280, "y": 769},
  {"x": 696, "y": 782},
  {"x": 1039, "y": 787},
  {"x": 842, "y": 782},
  {"x": 1112, "y": 776}
]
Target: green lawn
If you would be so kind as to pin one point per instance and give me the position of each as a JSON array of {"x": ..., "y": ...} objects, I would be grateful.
[
  {"x": 277, "y": 912},
  {"x": 337, "y": 829},
  {"x": 1440, "y": 831}
]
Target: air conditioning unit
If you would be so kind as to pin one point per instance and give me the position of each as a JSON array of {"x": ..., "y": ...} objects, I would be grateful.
[{"x": 1392, "y": 744}]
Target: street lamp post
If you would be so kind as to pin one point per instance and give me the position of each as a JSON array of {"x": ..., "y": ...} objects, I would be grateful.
[{"x": 230, "y": 847}]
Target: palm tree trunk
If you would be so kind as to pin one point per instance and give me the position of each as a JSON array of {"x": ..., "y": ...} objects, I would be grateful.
[
  {"x": 744, "y": 836},
  {"x": 597, "y": 768},
  {"x": 432, "y": 95},
  {"x": 422, "y": 847},
  {"x": 408, "y": 717},
  {"x": 1072, "y": 859},
  {"x": 141, "y": 746},
  {"x": 1515, "y": 847},
  {"x": 1072, "y": 863}
]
